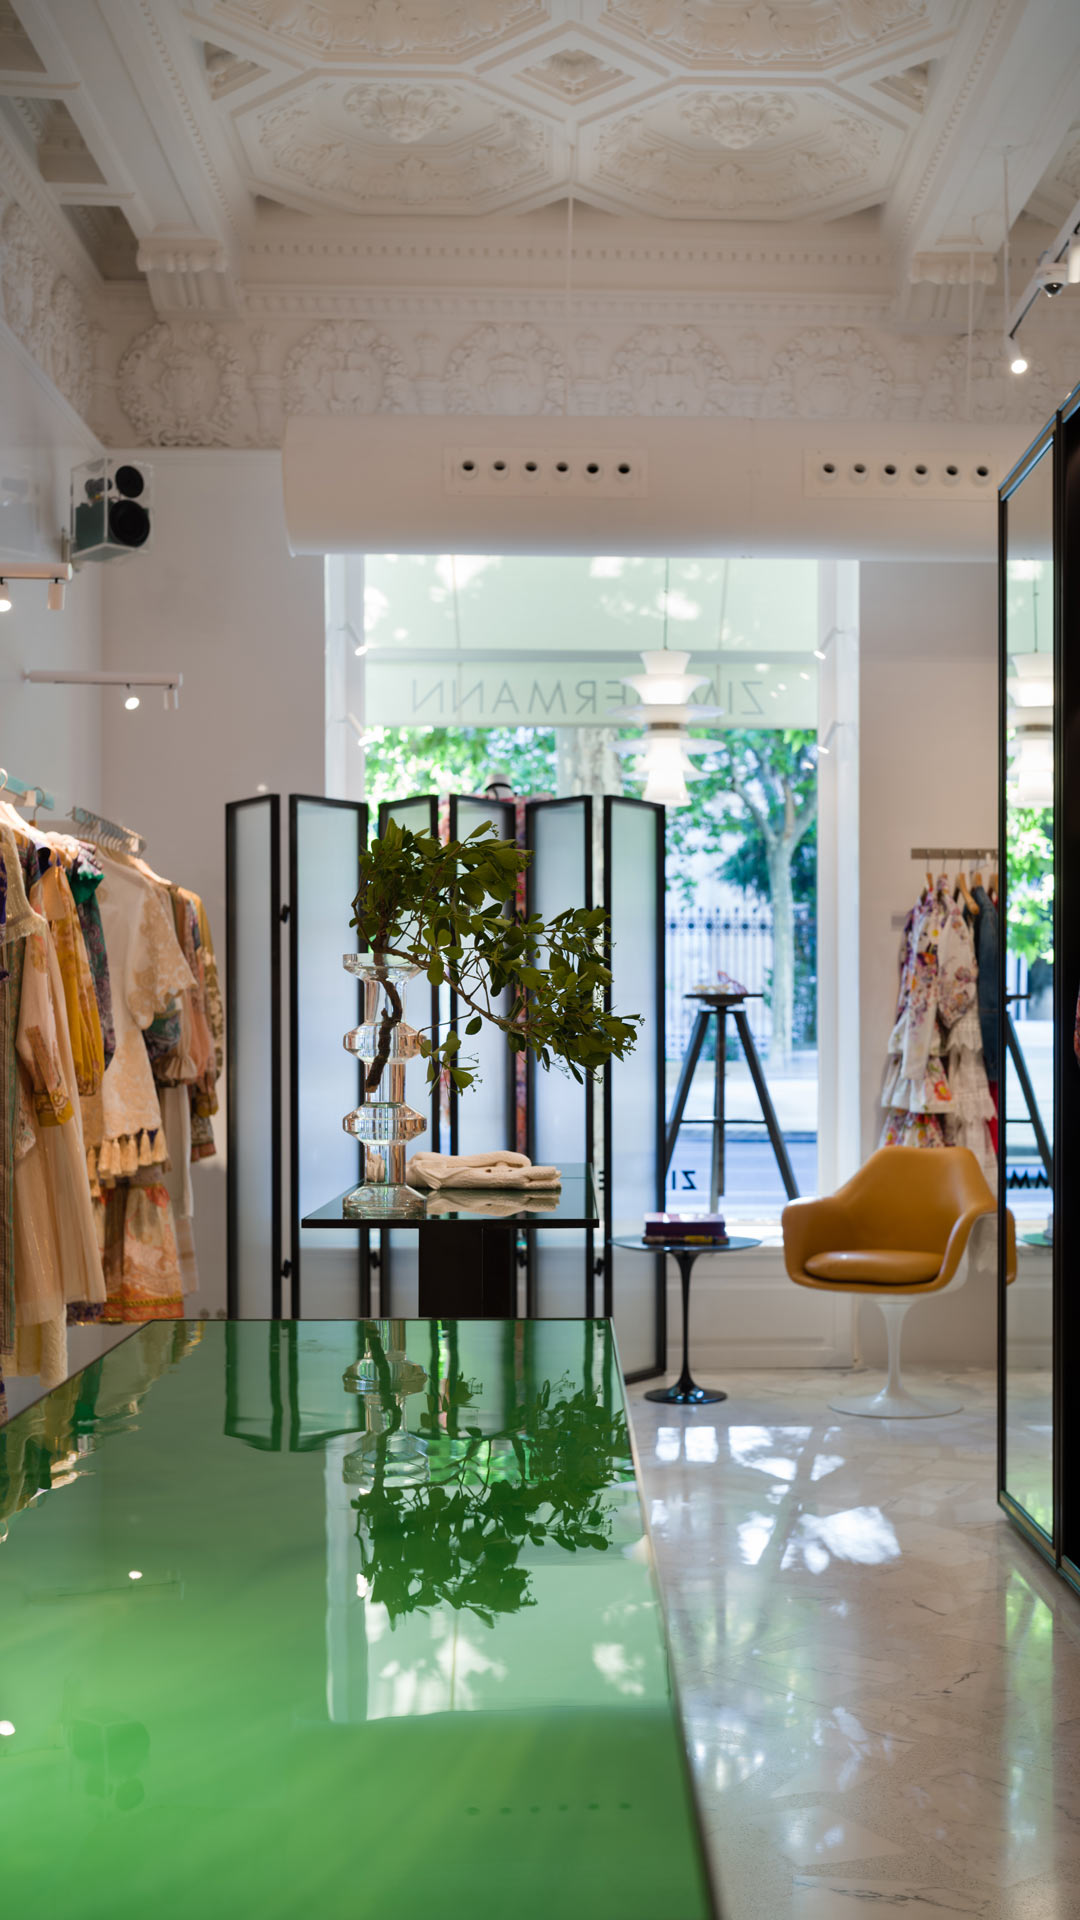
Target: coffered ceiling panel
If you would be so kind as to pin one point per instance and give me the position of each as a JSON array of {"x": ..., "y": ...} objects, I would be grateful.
[
  {"x": 394, "y": 146},
  {"x": 350, "y": 30},
  {"x": 730, "y": 153}
]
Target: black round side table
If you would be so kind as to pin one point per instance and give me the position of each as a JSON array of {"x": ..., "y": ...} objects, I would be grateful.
[{"x": 685, "y": 1392}]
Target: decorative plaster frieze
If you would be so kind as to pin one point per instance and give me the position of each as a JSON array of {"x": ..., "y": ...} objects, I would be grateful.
[
  {"x": 229, "y": 383},
  {"x": 345, "y": 366},
  {"x": 506, "y": 369},
  {"x": 182, "y": 385},
  {"x": 829, "y": 374},
  {"x": 669, "y": 370},
  {"x": 44, "y": 309},
  {"x": 986, "y": 392}
]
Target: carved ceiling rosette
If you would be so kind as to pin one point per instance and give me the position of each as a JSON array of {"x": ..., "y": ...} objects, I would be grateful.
[
  {"x": 345, "y": 366},
  {"x": 816, "y": 31},
  {"x": 996, "y": 394},
  {"x": 737, "y": 120},
  {"x": 390, "y": 28},
  {"x": 512, "y": 368},
  {"x": 181, "y": 386},
  {"x": 403, "y": 114},
  {"x": 829, "y": 373},
  {"x": 669, "y": 370},
  {"x": 637, "y": 159}
]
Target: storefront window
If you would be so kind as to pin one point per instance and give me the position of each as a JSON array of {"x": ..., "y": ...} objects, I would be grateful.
[{"x": 473, "y": 667}]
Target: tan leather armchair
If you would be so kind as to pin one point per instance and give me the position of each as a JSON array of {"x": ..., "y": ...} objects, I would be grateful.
[{"x": 901, "y": 1227}]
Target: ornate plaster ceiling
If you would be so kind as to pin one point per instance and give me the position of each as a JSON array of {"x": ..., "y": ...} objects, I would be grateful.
[{"x": 318, "y": 94}]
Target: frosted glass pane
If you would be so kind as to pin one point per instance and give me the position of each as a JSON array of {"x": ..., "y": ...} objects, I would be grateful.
[
  {"x": 254, "y": 1017},
  {"x": 399, "y": 1274},
  {"x": 485, "y": 1113},
  {"x": 559, "y": 1109},
  {"x": 634, "y": 901},
  {"x": 328, "y": 840}
]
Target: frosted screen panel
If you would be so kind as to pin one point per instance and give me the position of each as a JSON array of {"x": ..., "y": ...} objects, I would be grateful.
[
  {"x": 559, "y": 1109},
  {"x": 254, "y": 1201},
  {"x": 398, "y": 1274},
  {"x": 485, "y": 1112},
  {"x": 327, "y": 846},
  {"x": 634, "y": 1181}
]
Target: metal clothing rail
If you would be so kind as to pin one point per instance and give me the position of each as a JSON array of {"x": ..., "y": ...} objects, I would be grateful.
[
  {"x": 108, "y": 833},
  {"x": 954, "y": 853},
  {"x": 21, "y": 790}
]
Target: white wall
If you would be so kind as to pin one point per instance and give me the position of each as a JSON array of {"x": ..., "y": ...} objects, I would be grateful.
[
  {"x": 218, "y": 596},
  {"x": 928, "y": 727},
  {"x": 48, "y": 735}
]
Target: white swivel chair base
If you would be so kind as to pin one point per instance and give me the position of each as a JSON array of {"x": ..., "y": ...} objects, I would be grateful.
[{"x": 894, "y": 1402}]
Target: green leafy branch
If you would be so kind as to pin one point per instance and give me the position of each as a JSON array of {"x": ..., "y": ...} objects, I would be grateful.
[{"x": 443, "y": 910}]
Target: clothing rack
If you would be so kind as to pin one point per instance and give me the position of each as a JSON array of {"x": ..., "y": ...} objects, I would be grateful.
[
  {"x": 21, "y": 790},
  {"x": 108, "y": 833},
  {"x": 954, "y": 853}
]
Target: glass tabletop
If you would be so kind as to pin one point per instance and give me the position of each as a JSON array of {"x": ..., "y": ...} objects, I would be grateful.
[
  {"x": 638, "y": 1244},
  {"x": 571, "y": 1205},
  {"x": 337, "y": 1618}
]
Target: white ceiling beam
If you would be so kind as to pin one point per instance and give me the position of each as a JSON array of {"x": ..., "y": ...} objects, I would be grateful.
[{"x": 1011, "y": 80}]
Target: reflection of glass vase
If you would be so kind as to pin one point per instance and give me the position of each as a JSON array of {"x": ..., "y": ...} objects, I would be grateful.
[{"x": 385, "y": 1044}]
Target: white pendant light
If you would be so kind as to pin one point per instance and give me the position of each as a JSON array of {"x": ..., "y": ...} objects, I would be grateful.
[
  {"x": 1031, "y": 716},
  {"x": 665, "y": 691}
]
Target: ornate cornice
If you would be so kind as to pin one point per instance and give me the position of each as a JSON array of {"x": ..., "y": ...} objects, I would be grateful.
[{"x": 56, "y": 236}]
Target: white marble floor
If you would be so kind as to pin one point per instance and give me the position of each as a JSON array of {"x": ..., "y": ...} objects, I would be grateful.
[{"x": 880, "y": 1679}]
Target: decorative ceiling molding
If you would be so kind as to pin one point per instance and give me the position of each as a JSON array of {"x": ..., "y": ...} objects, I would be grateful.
[
  {"x": 53, "y": 231},
  {"x": 388, "y": 29},
  {"x": 402, "y": 114},
  {"x": 737, "y": 120},
  {"x": 574, "y": 75},
  {"x": 299, "y": 141},
  {"x": 636, "y": 159},
  {"x": 814, "y": 33}
]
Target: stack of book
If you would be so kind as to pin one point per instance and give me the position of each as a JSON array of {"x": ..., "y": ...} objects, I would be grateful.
[{"x": 686, "y": 1229}]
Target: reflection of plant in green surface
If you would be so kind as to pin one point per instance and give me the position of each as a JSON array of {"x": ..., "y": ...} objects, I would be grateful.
[
  {"x": 456, "y": 1541},
  {"x": 1031, "y": 882}
]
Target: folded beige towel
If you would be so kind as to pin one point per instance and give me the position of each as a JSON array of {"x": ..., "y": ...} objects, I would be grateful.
[
  {"x": 490, "y": 1205},
  {"x": 479, "y": 1170}
]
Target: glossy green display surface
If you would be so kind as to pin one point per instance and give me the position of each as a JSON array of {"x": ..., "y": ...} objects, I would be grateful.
[{"x": 387, "y": 1652}]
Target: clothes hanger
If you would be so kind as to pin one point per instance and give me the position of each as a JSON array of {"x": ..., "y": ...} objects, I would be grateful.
[{"x": 964, "y": 893}]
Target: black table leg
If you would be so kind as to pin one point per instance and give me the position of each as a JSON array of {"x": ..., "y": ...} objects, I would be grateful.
[
  {"x": 467, "y": 1272},
  {"x": 685, "y": 1392}
]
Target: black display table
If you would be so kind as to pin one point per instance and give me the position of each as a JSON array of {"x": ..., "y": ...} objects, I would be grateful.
[
  {"x": 468, "y": 1253},
  {"x": 685, "y": 1392}
]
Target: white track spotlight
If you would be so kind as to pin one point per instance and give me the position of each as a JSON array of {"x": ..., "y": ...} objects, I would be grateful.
[
  {"x": 5, "y": 597},
  {"x": 54, "y": 599},
  {"x": 132, "y": 701}
]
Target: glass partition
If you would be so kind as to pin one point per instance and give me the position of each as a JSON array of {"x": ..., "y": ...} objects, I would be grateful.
[
  {"x": 560, "y": 1112},
  {"x": 326, "y": 838},
  {"x": 634, "y": 1087},
  {"x": 399, "y": 1274},
  {"x": 253, "y": 1031},
  {"x": 1027, "y": 1104}
]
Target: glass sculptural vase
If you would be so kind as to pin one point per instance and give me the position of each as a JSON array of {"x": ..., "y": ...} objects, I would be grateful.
[{"x": 384, "y": 1124}]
